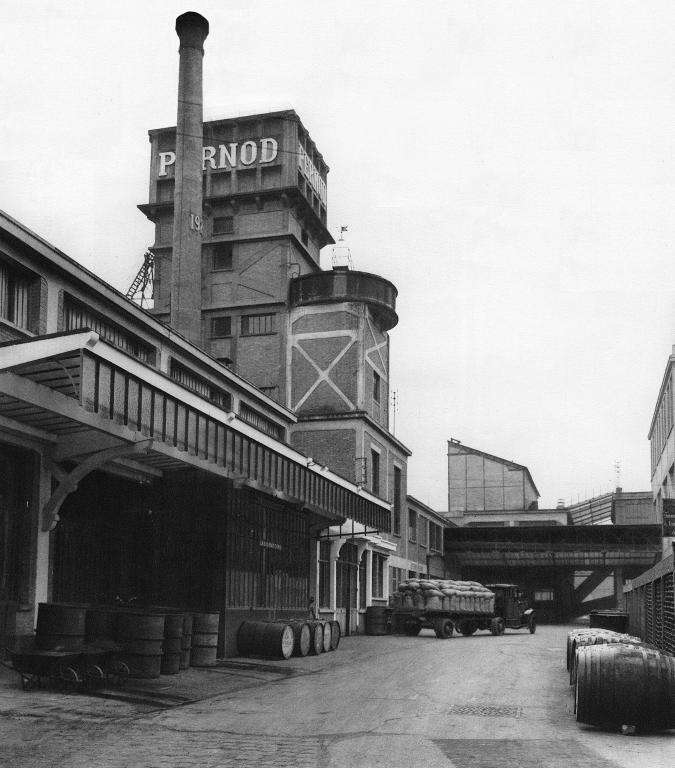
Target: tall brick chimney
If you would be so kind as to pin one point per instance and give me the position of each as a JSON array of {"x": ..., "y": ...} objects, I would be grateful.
[{"x": 186, "y": 268}]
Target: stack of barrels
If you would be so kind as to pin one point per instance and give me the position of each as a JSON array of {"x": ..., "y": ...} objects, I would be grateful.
[
  {"x": 620, "y": 681},
  {"x": 283, "y": 639},
  {"x": 152, "y": 641}
]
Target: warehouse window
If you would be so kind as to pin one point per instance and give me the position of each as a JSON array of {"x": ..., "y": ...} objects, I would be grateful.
[
  {"x": 378, "y": 575},
  {"x": 221, "y": 256},
  {"x": 396, "y": 576},
  {"x": 14, "y": 296},
  {"x": 257, "y": 420},
  {"x": 362, "y": 579},
  {"x": 376, "y": 386},
  {"x": 544, "y": 596},
  {"x": 374, "y": 471},
  {"x": 412, "y": 525},
  {"x": 221, "y": 327},
  {"x": 397, "y": 501},
  {"x": 183, "y": 375},
  {"x": 435, "y": 537},
  {"x": 223, "y": 225},
  {"x": 78, "y": 316},
  {"x": 258, "y": 325},
  {"x": 324, "y": 574},
  {"x": 423, "y": 531}
]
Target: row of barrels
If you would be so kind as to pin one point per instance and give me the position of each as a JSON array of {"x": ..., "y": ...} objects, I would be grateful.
[
  {"x": 152, "y": 641},
  {"x": 620, "y": 681},
  {"x": 283, "y": 639}
]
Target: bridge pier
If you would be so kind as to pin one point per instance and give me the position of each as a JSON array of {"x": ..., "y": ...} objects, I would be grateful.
[{"x": 618, "y": 586}]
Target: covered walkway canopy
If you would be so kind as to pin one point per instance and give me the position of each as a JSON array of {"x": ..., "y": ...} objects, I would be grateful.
[
  {"x": 578, "y": 547},
  {"x": 98, "y": 407}
]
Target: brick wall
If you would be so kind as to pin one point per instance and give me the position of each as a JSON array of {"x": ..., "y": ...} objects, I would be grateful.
[
  {"x": 258, "y": 359},
  {"x": 332, "y": 447}
]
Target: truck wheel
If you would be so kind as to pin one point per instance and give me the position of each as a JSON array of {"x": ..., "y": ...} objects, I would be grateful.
[
  {"x": 532, "y": 624},
  {"x": 443, "y": 628},
  {"x": 501, "y": 626},
  {"x": 412, "y": 627},
  {"x": 467, "y": 627}
]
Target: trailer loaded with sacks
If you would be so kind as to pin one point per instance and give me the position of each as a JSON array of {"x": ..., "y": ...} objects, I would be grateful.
[{"x": 446, "y": 605}]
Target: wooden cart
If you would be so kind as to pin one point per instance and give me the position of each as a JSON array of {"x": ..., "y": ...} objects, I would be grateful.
[{"x": 68, "y": 670}]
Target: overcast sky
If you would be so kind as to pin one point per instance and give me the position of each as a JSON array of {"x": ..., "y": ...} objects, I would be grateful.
[{"x": 508, "y": 165}]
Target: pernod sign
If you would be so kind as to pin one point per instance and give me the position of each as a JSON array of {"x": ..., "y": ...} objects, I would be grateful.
[
  {"x": 228, "y": 155},
  {"x": 311, "y": 174}
]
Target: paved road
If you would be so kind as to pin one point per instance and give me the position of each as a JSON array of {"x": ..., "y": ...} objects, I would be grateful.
[{"x": 476, "y": 702}]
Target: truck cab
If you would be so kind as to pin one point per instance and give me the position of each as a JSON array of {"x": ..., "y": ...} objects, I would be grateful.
[{"x": 512, "y": 605}]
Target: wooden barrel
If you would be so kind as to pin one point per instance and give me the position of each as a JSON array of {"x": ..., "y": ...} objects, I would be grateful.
[
  {"x": 173, "y": 643},
  {"x": 60, "y": 625},
  {"x": 627, "y": 640},
  {"x": 571, "y": 637},
  {"x": 327, "y": 635},
  {"x": 598, "y": 637},
  {"x": 101, "y": 623},
  {"x": 335, "y": 635},
  {"x": 376, "y": 620},
  {"x": 621, "y": 684},
  {"x": 302, "y": 637},
  {"x": 273, "y": 639},
  {"x": 316, "y": 637},
  {"x": 204, "y": 650},
  {"x": 186, "y": 641},
  {"x": 141, "y": 637}
]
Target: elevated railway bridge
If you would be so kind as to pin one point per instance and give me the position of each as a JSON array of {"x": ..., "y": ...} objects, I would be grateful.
[{"x": 567, "y": 571}]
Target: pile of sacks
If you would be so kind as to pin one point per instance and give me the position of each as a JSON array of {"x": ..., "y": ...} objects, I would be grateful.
[{"x": 443, "y": 595}]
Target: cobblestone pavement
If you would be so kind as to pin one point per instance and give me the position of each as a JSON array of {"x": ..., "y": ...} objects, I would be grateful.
[{"x": 476, "y": 702}]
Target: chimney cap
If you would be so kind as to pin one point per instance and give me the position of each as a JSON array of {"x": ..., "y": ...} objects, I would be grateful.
[{"x": 192, "y": 29}]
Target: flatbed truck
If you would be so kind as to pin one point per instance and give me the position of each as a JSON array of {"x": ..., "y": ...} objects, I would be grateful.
[{"x": 511, "y": 611}]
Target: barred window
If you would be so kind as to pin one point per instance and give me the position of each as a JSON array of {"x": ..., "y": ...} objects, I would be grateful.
[
  {"x": 77, "y": 316},
  {"x": 14, "y": 296},
  {"x": 223, "y": 225},
  {"x": 258, "y": 325},
  {"x": 221, "y": 327}
]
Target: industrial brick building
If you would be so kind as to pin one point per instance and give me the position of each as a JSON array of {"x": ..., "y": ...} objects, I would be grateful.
[{"x": 245, "y": 209}]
